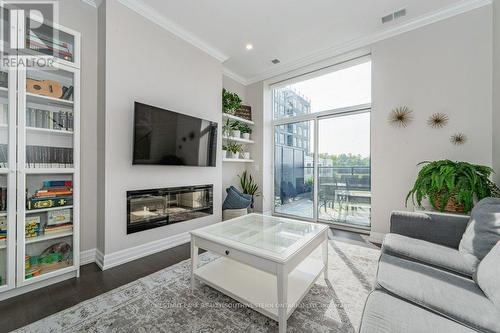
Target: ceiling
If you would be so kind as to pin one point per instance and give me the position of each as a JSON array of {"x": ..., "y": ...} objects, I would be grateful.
[{"x": 290, "y": 30}]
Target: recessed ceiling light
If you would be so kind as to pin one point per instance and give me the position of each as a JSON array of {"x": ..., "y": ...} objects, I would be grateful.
[{"x": 249, "y": 47}]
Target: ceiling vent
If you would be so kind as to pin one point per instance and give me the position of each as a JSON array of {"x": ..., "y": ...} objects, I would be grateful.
[
  {"x": 394, "y": 16},
  {"x": 275, "y": 61}
]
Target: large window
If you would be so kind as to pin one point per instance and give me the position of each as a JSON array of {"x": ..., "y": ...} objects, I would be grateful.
[{"x": 322, "y": 165}]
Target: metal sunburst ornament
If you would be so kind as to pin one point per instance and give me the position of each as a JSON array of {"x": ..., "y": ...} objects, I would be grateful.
[
  {"x": 458, "y": 139},
  {"x": 401, "y": 116},
  {"x": 438, "y": 120}
]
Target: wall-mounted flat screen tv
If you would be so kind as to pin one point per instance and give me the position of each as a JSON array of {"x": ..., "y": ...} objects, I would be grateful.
[{"x": 166, "y": 137}]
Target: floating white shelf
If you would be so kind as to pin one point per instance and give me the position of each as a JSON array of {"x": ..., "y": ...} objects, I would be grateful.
[
  {"x": 230, "y": 116},
  {"x": 48, "y": 100},
  {"x": 238, "y": 140},
  {"x": 35, "y": 211},
  {"x": 48, "y": 237},
  {"x": 240, "y": 160}
]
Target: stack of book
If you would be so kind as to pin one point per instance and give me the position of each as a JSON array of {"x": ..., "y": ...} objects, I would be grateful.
[
  {"x": 58, "y": 221},
  {"x": 3, "y": 229},
  {"x": 54, "y": 193},
  {"x": 3, "y": 199},
  {"x": 48, "y": 157},
  {"x": 47, "y": 45},
  {"x": 32, "y": 226},
  {"x": 4, "y": 153},
  {"x": 62, "y": 120}
]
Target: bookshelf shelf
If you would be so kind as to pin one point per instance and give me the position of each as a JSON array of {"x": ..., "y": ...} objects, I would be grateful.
[
  {"x": 48, "y": 131},
  {"x": 229, "y": 138},
  {"x": 230, "y": 116},
  {"x": 48, "y": 237},
  {"x": 43, "y": 210},
  {"x": 41, "y": 171},
  {"x": 48, "y": 100},
  {"x": 237, "y": 160}
]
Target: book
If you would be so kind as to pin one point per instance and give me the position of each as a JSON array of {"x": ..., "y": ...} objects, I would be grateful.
[
  {"x": 49, "y": 157},
  {"x": 58, "y": 217},
  {"x": 41, "y": 203}
]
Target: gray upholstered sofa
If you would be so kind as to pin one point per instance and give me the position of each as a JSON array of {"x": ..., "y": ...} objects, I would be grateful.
[{"x": 438, "y": 273}]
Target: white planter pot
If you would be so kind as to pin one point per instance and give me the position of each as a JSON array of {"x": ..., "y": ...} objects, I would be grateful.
[
  {"x": 235, "y": 155},
  {"x": 246, "y": 155},
  {"x": 236, "y": 134},
  {"x": 246, "y": 136},
  {"x": 224, "y": 153}
]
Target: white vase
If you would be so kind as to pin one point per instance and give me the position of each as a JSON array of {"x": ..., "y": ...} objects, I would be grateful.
[
  {"x": 224, "y": 153},
  {"x": 246, "y": 136},
  {"x": 236, "y": 134},
  {"x": 235, "y": 155},
  {"x": 246, "y": 155}
]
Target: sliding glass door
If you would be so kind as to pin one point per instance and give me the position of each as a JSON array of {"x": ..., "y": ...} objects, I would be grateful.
[
  {"x": 322, "y": 146},
  {"x": 344, "y": 173}
]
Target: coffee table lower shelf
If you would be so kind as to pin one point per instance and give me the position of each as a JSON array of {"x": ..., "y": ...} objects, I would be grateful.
[{"x": 258, "y": 289}]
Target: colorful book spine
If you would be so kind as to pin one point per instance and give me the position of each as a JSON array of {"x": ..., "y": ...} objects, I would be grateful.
[{"x": 41, "y": 203}]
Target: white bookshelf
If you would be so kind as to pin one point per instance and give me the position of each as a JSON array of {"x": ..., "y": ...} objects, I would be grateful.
[{"x": 54, "y": 130}]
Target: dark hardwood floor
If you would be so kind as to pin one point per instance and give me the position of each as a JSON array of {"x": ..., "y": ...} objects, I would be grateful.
[{"x": 30, "y": 307}]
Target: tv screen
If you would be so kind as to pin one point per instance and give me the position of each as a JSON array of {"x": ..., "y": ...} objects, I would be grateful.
[{"x": 169, "y": 138}]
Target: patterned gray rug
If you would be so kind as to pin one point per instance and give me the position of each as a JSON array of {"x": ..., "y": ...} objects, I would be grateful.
[{"x": 163, "y": 302}]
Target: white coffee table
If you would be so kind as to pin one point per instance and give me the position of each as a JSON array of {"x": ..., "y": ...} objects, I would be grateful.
[{"x": 265, "y": 261}]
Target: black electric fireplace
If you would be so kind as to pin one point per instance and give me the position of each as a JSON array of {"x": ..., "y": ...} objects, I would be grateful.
[{"x": 147, "y": 209}]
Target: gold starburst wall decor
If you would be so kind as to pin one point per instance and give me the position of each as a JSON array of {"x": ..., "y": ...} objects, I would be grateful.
[
  {"x": 401, "y": 116},
  {"x": 458, "y": 139},
  {"x": 438, "y": 120}
]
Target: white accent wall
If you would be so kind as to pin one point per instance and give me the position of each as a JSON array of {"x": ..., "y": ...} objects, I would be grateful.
[
  {"x": 496, "y": 90},
  {"x": 444, "y": 67},
  {"x": 143, "y": 62}
]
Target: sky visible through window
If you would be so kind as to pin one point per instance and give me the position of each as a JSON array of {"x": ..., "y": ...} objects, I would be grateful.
[{"x": 347, "y": 87}]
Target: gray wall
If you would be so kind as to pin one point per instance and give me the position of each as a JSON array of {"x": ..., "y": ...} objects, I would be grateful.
[
  {"x": 164, "y": 71},
  {"x": 444, "y": 67},
  {"x": 496, "y": 90},
  {"x": 81, "y": 17}
]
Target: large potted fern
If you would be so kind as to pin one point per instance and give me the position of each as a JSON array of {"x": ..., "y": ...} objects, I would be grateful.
[{"x": 452, "y": 186}]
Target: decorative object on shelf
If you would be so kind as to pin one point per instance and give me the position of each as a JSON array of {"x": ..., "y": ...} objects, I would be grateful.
[
  {"x": 54, "y": 257},
  {"x": 452, "y": 186},
  {"x": 245, "y": 130},
  {"x": 32, "y": 227},
  {"x": 227, "y": 129},
  {"x": 224, "y": 151},
  {"x": 234, "y": 149},
  {"x": 401, "y": 116},
  {"x": 230, "y": 101},
  {"x": 438, "y": 120},
  {"x": 54, "y": 193},
  {"x": 48, "y": 88},
  {"x": 249, "y": 186},
  {"x": 458, "y": 139},
  {"x": 244, "y": 111},
  {"x": 246, "y": 155},
  {"x": 47, "y": 45}
]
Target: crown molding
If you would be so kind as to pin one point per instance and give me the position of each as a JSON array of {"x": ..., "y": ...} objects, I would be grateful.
[
  {"x": 363, "y": 42},
  {"x": 151, "y": 14},
  {"x": 93, "y": 3},
  {"x": 238, "y": 78}
]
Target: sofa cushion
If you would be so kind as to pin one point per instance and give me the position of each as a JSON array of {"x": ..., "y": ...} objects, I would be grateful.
[
  {"x": 442, "y": 292},
  {"x": 483, "y": 230},
  {"x": 236, "y": 200},
  {"x": 488, "y": 275},
  {"x": 386, "y": 313},
  {"x": 428, "y": 253}
]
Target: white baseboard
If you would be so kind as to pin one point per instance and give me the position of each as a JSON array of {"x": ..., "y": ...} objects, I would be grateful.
[
  {"x": 99, "y": 259},
  {"x": 87, "y": 257},
  {"x": 133, "y": 253},
  {"x": 377, "y": 237}
]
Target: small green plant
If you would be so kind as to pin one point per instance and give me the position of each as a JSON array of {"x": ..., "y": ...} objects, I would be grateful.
[
  {"x": 227, "y": 129},
  {"x": 224, "y": 147},
  {"x": 244, "y": 128},
  {"x": 445, "y": 180},
  {"x": 248, "y": 185},
  {"x": 230, "y": 101},
  {"x": 234, "y": 147}
]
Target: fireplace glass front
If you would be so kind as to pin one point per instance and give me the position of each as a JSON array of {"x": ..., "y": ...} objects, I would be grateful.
[{"x": 154, "y": 208}]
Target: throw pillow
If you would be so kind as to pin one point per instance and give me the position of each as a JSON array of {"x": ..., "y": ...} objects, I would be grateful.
[{"x": 235, "y": 199}]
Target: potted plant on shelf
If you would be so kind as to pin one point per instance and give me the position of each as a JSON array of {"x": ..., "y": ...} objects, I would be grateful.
[
  {"x": 224, "y": 151},
  {"x": 230, "y": 102},
  {"x": 245, "y": 130},
  {"x": 249, "y": 186},
  {"x": 235, "y": 129},
  {"x": 452, "y": 186},
  {"x": 227, "y": 130},
  {"x": 234, "y": 149}
]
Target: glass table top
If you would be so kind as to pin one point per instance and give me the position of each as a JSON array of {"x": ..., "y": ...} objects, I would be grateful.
[{"x": 273, "y": 234}]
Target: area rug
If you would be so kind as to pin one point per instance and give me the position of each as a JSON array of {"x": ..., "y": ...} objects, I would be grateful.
[{"x": 164, "y": 302}]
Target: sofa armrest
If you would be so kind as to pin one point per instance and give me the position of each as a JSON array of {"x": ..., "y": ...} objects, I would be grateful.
[{"x": 440, "y": 229}]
